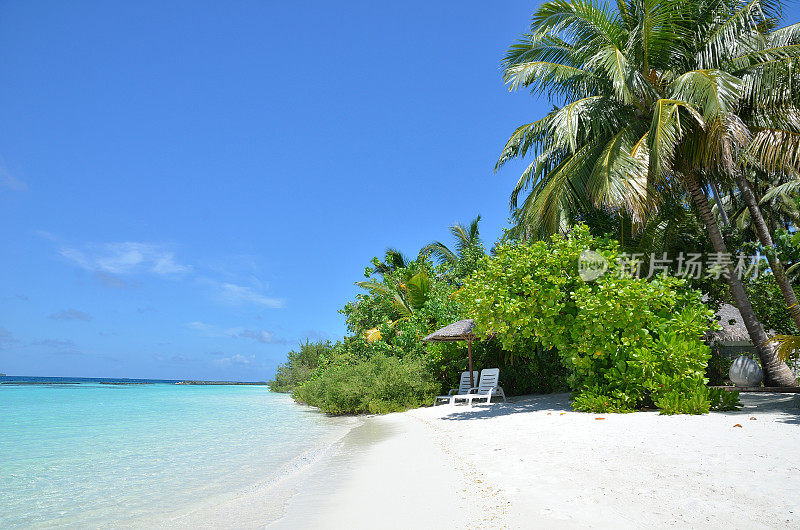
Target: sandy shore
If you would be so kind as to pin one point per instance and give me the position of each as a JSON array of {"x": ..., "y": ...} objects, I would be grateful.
[{"x": 536, "y": 463}]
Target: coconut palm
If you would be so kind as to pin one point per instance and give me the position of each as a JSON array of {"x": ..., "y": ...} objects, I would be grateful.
[
  {"x": 652, "y": 97},
  {"x": 407, "y": 293},
  {"x": 393, "y": 260},
  {"x": 466, "y": 237}
]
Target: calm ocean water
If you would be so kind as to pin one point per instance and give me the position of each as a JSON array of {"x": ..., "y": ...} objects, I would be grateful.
[{"x": 87, "y": 454}]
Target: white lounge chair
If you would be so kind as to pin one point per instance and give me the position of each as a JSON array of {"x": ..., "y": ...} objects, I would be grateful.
[
  {"x": 464, "y": 387},
  {"x": 486, "y": 389}
]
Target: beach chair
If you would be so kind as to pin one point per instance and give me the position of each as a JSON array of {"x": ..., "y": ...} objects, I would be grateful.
[
  {"x": 463, "y": 388},
  {"x": 486, "y": 389}
]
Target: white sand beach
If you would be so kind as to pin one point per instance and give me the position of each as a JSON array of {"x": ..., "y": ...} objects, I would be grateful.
[{"x": 534, "y": 463}]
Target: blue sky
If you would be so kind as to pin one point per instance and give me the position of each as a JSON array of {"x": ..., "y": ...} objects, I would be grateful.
[{"x": 188, "y": 189}]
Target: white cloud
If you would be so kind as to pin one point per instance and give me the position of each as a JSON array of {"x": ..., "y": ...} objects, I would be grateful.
[
  {"x": 206, "y": 329},
  {"x": 234, "y": 294},
  {"x": 125, "y": 258},
  {"x": 237, "y": 359},
  {"x": 259, "y": 335},
  {"x": 179, "y": 358}
]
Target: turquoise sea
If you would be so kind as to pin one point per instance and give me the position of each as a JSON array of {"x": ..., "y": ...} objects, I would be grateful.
[{"x": 83, "y": 453}]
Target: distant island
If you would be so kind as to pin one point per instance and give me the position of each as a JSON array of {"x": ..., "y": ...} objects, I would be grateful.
[
  {"x": 220, "y": 383},
  {"x": 124, "y": 383}
]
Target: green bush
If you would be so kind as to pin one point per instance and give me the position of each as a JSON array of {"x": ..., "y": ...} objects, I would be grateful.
[
  {"x": 528, "y": 370},
  {"x": 627, "y": 342},
  {"x": 699, "y": 401},
  {"x": 538, "y": 371},
  {"x": 718, "y": 368},
  {"x": 299, "y": 365},
  {"x": 675, "y": 402},
  {"x": 378, "y": 385},
  {"x": 723, "y": 399},
  {"x": 635, "y": 342}
]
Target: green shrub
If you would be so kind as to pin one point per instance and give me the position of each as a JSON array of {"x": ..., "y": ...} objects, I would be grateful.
[
  {"x": 700, "y": 401},
  {"x": 539, "y": 371},
  {"x": 627, "y": 342},
  {"x": 718, "y": 368},
  {"x": 675, "y": 402},
  {"x": 635, "y": 341},
  {"x": 299, "y": 365},
  {"x": 723, "y": 400},
  {"x": 528, "y": 370},
  {"x": 378, "y": 385}
]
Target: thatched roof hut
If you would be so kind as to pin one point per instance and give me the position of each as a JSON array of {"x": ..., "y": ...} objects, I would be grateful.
[
  {"x": 733, "y": 328},
  {"x": 733, "y": 331}
]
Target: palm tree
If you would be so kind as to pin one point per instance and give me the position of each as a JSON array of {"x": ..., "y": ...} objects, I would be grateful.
[
  {"x": 407, "y": 293},
  {"x": 647, "y": 99},
  {"x": 393, "y": 260},
  {"x": 765, "y": 237},
  {"x": 466, "y": 237}
]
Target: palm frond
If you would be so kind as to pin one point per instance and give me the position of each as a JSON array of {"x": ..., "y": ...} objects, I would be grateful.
[
  {"x": 630, "y": 87},
  {"x": 734, "y": 32},
  {"x": 787, "y": 347},
  {"x": 474, "y": 230},
  {"x": 541, "y": 165},
  {"x": 714, "y": 91},
  {"x": 560, "y": 194},
  {"x": 578, "y": 21},
  {"x": 666, "y": 131},
  {"x": 786, "y": 191},
  {"x": 773, "y": 83},
  {"x": 438, "y": 251},
  {"x": 376, "y": 287},
  {"x": 775, "y": 150},
  {"x": 552, "y": 79},
  {"x": 417, "y": 290},
  {"x": 619, "y": 180},
  {"x": 523, "y": 138}
]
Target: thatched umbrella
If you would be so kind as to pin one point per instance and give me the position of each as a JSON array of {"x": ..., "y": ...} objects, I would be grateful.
[{"x": 461, "y": 330}]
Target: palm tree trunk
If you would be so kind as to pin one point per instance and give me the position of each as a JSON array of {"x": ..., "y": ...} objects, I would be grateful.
[
  {"x": 723, "y": 215},
  {"x": 776, "y": 373},
  {"x": 765, "y": 238}
]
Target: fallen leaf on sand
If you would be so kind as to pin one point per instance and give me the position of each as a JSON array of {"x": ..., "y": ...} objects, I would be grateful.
[
  {"x": 738, "y": 425},
  {"x": 599, "y": 418},
  {"x": 562, "y": 413},
  {"x": 752, "y": 417}
]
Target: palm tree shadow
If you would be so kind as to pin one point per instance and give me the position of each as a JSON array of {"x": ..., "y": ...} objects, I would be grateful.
[
  {"x": 515, "y": 405},
  {"x": 787, "y": 405}
]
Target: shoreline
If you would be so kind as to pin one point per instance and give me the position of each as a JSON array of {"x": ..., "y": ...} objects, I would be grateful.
[
  {"x": 259, "y": 503},
  {"x": 392, "y": 472},
  {"x": 534, "y": 462}
]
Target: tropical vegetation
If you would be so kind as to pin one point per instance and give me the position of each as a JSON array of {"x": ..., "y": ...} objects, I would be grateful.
[
  {"x": 674, "y": 130},
  {"x": 656, "y": 101}
]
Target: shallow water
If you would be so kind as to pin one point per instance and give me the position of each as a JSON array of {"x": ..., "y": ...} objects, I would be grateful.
[{"x": 89, "y": 454}]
